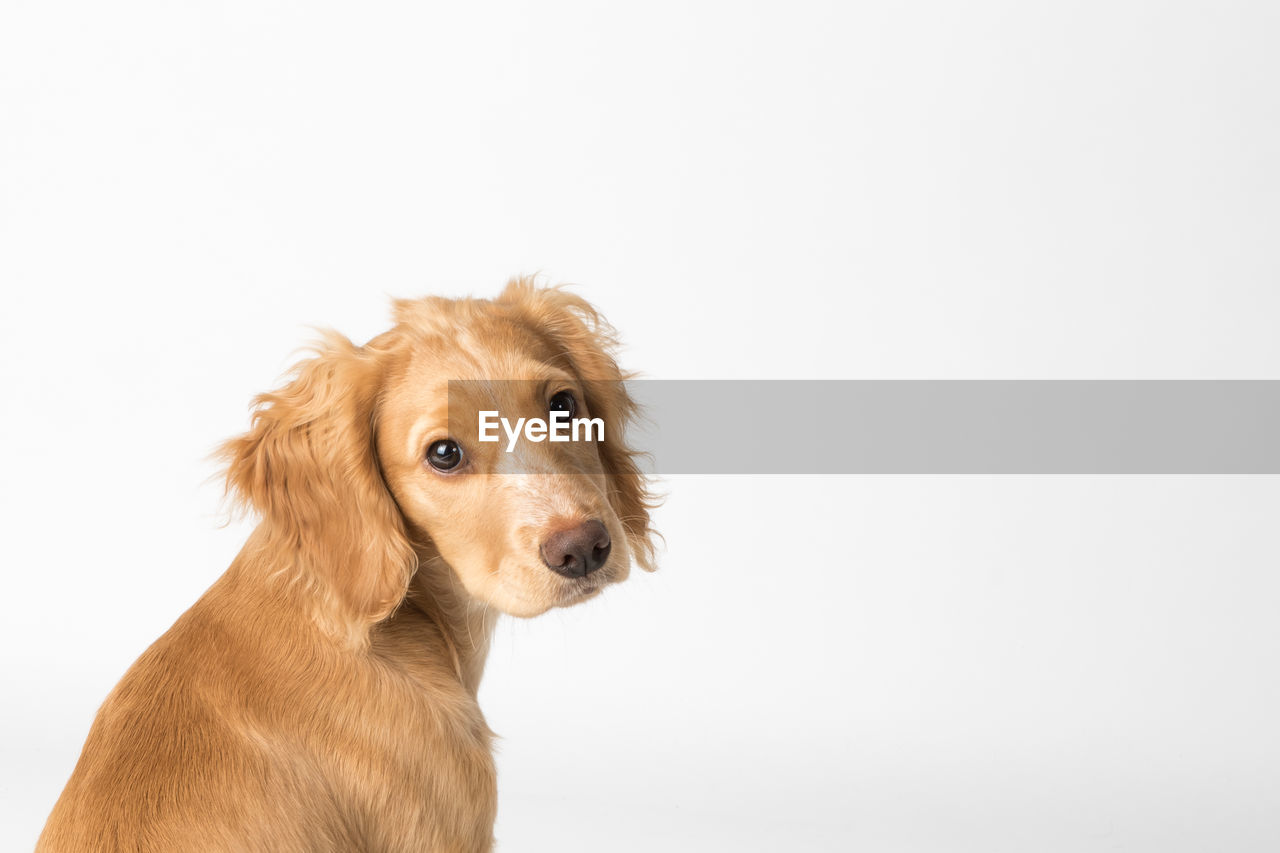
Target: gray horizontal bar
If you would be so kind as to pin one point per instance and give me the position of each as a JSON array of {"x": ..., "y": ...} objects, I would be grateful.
[{"x": 959, "y": 427}]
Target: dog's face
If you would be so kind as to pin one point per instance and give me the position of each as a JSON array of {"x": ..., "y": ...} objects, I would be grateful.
[
  {"x": 368, "y": 466},
  {"x": 525, "y": 525}
]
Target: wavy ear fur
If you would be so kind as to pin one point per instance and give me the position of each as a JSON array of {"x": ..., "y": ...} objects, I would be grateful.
[
  {"x": 589, "y": 343},
  {"x": 308, "y": 466}
]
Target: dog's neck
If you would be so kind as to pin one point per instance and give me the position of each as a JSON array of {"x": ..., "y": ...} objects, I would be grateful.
[
  {"x": 465, "y": 625},
  {"x": 460, "y": 626}
]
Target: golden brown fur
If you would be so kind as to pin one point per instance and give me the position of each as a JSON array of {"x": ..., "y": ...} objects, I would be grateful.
[{"x": 321, "y": 696}]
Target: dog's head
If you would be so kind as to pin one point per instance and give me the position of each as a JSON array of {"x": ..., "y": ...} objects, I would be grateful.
[{"x": 368, "y": 466}]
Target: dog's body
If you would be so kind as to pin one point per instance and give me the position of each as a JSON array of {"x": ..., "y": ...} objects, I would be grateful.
[
  {"x": 321, "y": 696},
  {"x": 240, "y": 730}
]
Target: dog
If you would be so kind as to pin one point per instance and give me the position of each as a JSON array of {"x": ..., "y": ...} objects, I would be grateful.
[{"x": 321, "y": 695}]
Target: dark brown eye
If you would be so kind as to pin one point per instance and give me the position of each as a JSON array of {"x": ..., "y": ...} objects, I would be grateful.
[
  {"x": 444, "y": 455},
  {"x": 563, "y": 401}
]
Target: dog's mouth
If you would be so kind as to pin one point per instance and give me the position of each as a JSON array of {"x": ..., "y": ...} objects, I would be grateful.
[
  {"x": 528, "y": 597},
  {"x": 579, "y": 596},
  {"x": 576, "y": 590}
]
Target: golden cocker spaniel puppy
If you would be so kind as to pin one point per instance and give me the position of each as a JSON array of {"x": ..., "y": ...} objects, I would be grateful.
[{"x": 321, "y": 696}]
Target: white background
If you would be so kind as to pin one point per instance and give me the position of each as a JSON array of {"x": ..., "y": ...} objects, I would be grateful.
[{"x": 891, "y": 190}]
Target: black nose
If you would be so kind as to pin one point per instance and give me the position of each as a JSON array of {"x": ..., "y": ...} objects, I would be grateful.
[{"x": 578, "y": 551}]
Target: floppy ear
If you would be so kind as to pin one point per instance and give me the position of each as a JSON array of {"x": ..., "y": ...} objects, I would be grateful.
[
  {"x": 309, "y": 467},
  {"x": 588, "y": 342}
]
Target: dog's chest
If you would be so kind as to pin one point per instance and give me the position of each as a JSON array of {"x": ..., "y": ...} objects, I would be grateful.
[
  {"x": 439, "y": 794},
  {"x": 431, "y": 781}
]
